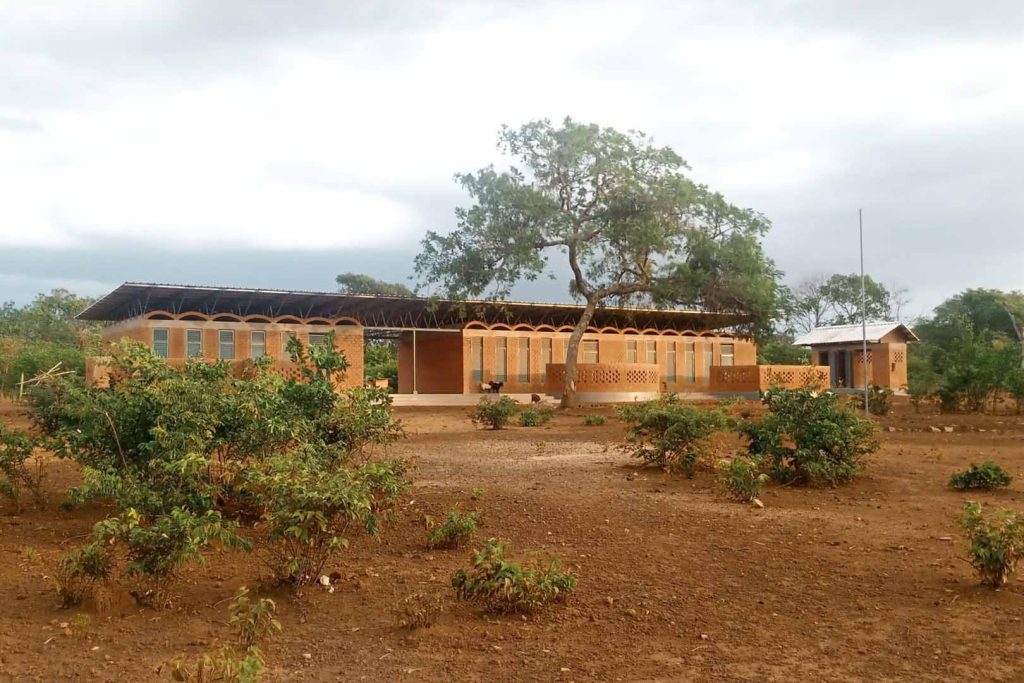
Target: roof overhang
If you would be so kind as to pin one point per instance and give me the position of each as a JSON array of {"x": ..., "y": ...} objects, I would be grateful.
[{"x": 134, "y": 299}]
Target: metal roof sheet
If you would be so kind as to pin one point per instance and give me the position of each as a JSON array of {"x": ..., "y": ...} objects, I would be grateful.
[
  {"x": 135, "y": 298},
  {"x": 848, "y": 334}
]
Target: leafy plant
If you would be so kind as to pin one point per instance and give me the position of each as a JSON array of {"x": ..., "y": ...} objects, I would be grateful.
[
  {"x": 594, "y": 420},
  {"x": 879, "y": 400},
  {"x": 454, "y": 532},
  {"x": 226, "y": 665},
  {"x": 177, "y": 450},
  {"x": 154, "y": 550},
  {"x": 254, "y": 620},
  {"x": 477, "y": 493},
  {"x": 308, "y": 509},
  {"x": 502, "y": 586},
  {"x": 987, "y": 475},
  {"x": 671, "y": 435},
  {"x": 16, "y": 471},
  {"x": 495, "y": 413},
  {"x": 810, "y": 438},
  {"x": 741, "y": 479},
  {"x": 996, "y": 543},
  {"x": 536, "y": 416},
  {"x": 81, "y": 571}
]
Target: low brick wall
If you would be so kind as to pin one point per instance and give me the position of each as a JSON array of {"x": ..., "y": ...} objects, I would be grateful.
[
  {"x": 750, "y": 378},
  {"x": 606, "y": 378}
]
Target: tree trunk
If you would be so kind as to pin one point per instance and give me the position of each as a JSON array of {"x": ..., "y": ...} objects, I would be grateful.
[{"x": 572, "y": 353}]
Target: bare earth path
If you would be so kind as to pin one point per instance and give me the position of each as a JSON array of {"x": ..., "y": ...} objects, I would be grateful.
[{"x": 675, "y": 583}]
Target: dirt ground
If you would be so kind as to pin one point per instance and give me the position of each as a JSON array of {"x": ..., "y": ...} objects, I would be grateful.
[{"x": 676, "y": 583}]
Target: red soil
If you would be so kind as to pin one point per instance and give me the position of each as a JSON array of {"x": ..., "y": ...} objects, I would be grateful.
[{"x": 860, "y": 583}]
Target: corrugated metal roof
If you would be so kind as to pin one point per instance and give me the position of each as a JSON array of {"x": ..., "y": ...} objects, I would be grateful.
[
  {"x": 849, "y": 334},
  {"x": 135, "y": 298}
]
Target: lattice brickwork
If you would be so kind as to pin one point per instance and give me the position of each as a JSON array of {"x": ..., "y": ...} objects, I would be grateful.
[
  {"x": 610, "y": 377},
  {"x": 642, "y": 376},
  {"x": 898, "y": 357}
]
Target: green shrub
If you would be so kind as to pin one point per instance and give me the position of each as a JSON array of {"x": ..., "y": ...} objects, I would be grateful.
[
  {"x": 454, "y": 532},
  {"x": 495, "y": 413},
  {"x": 17, "y": 473},
  {"x": 594, "y": 420},
  {"x": 79, "y": 573},
  {"x": 153, "y": 549},
  {"x": 987, "y": 475},
  {"x": 308, "y": 509},
  {"x": 501, "y": 586},
  {"x": 741, "y": 479},
  {"x": 672, "y": 436},
  {"x": 996, "y": 542},
  {"x": 879, "y": 400},
  {"x": 810, "y": 438},
  {"x": 178, "y": 449},
  {"x": 536, "y": 416},
  {"x": 254, "y": 622}
]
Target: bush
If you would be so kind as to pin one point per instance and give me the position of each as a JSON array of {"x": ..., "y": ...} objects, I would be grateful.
[
  {"x": 26, "y": 358},
  {"x": 16, "y": 473},
  {"x": 879, "y": 400},
  {"x": 996, "y": 543},
  {"x": 501, "y": 586},
  {"x": 536, "y": 416},
  {"x": 594, "y": 420},
  {"x": 81, "y": 571},
  {"x": 810, "y": 438},
  {"x": 495, "y": 413},
  {"x": 741, "y": 479},
  {"x": 987, "y": 475},
  {"x": 177, "y": 450},
  {"x": 454, "y": 532},
  {"x": 308, "y": 509},
  {"x": 672, "y": 436},
  {"x": 153, "y": 549}
]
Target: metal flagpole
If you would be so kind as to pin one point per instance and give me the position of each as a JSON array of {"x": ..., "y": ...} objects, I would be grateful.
[{"x": 863, "y": 312}]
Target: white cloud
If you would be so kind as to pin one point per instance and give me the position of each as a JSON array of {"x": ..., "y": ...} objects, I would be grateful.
[{"x": 342, "y": 141}]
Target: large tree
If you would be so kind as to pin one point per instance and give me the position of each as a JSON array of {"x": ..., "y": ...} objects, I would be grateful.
[
  {"x": 821, "y": 299},
  {"x": 630, "y": 225},
  {"x": 357, "y": 283}
]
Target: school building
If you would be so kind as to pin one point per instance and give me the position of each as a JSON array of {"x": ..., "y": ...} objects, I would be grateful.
[{"x": 450, "y": 347}]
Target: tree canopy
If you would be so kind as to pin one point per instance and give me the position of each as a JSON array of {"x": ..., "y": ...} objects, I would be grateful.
[
  {"x": 357, "y": 283},
  {"x": 630, "y": 226},
  {"x": 971, "y": 350},
  {"x": 836, "y": 300}
]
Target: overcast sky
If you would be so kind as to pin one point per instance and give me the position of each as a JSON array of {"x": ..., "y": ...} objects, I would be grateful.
[{"x": 277, "y": 144}]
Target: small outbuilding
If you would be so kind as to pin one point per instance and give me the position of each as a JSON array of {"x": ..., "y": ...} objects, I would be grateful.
[{"x": 840, "y": 347}]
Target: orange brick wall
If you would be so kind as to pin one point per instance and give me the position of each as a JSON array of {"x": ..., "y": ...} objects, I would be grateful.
[
  {"x": 887, "y": 360},
  {"x": 348, "y": 339},
  {"x": 445, "y": 362}
]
